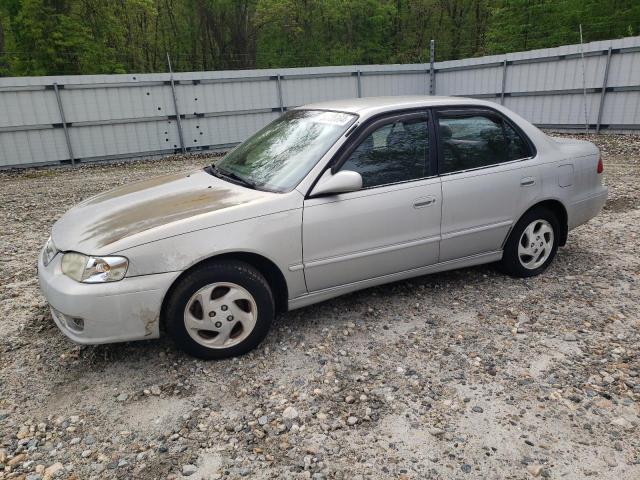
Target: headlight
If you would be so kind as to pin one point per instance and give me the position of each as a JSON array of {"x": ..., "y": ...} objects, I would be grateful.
[
  {"x": 94, "y": 269},
  {"x": 48, "y": 252}
]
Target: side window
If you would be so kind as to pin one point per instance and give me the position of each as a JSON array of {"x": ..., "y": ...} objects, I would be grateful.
[
  {"x": 477, "y": 140},
  {"x": 394, "y": 152},
  {"x": 517, "y": 148}
]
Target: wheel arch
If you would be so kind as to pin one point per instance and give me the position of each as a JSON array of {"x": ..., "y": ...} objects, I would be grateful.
[
  {"x": 274, "y": 276},
  {"x": 559, "y": 210}
]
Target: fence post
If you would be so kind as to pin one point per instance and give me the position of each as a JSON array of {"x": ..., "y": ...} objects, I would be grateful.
[
  {"x": 584, "y": 84},
  {"x": 504, "y": 80},
  {"x": 604, "y": 89},
  {"x": 432, "y": 71},
  {"x": 175, "y": 106},
  {"x": 64, "y": 123},
  {"x": 359, "y": 83},
  {"x": 281, "y": 103}
]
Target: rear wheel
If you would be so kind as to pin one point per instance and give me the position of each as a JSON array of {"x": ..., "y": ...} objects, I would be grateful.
[
  {"x": 532, "y": 244},
  {"x": 219, "y": 310}
]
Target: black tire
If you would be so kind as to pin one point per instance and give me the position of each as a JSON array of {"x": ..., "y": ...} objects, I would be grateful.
[
  {"x": 511, "y": 263},
  {"x": 237, "y": 272}
]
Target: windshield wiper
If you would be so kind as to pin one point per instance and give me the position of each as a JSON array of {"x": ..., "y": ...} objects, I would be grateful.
[
  {"x": 215, "y": 171},
  {"x": 218, "y": 172}
]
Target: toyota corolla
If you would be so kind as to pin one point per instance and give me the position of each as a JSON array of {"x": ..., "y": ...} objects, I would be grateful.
[{"x": 327, "y": 199}]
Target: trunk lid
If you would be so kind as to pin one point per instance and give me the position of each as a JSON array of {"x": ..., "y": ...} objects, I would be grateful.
[{"x": 573, "y": 148}]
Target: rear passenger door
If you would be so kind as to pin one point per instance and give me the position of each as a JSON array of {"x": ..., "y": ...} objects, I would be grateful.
[{"x": 489, "y": 176}]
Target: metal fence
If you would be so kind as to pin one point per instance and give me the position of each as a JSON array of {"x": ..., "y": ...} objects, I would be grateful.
[{"x": 70, "y": 119}]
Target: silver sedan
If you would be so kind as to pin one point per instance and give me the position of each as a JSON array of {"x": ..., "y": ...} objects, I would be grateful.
[{"x": 327, "y": 199}]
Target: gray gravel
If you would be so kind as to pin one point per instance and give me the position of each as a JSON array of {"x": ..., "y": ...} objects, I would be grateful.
[{"x": 465, "y": 374}]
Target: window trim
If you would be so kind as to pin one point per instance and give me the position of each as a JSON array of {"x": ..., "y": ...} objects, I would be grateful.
[
  {"x": 361, "y": 132},
  {"x": 465, "y": 111}
]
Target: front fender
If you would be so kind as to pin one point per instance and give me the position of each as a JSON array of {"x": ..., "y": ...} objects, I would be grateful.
[{"x": 277, "y": 237}]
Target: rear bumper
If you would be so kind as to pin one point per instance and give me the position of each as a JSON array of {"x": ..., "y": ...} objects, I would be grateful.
[
  {"x": 106, "y": 312},
  {"x": 584, "y": 210}
]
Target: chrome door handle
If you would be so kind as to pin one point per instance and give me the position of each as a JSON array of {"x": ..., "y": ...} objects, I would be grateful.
[
  {"x": 423, "y": 202},
  {"x": 527, "y": 181}
]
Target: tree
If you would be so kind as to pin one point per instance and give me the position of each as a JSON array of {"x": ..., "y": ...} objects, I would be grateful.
[
  {"x": 528, "y": 24},
  {"x": 39, "y": 37}
]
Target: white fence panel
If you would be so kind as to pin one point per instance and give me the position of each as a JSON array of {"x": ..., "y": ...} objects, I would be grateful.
[{"x": 133, "y": 115}]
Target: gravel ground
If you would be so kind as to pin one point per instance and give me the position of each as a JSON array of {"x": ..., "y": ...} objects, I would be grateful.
[{"x": 465, "y": 374}]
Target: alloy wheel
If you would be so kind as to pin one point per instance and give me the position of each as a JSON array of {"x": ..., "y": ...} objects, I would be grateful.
[
  {"x": 536, "y": 244},
  {"x": 220, "y": 315}
]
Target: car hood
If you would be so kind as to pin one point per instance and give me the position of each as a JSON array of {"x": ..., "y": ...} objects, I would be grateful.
[{"x": 158, "y": 208}]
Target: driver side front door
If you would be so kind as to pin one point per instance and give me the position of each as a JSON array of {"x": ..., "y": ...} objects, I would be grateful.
[{"x": 392, "y": 224}]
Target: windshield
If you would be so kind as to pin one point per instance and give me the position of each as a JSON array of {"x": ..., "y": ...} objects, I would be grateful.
[{"x": 280, "y": 155}]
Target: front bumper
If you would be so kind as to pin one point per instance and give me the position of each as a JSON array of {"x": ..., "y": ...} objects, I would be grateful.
[{"x": 104, "y": 312}]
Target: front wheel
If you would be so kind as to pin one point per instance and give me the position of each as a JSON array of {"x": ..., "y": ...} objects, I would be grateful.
[
  {"x": 532, "y": 244},
  {"x": 221, "y": 309}
]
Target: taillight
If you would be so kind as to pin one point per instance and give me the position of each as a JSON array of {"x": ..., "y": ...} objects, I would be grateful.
[{"x": 600, "y": 166}]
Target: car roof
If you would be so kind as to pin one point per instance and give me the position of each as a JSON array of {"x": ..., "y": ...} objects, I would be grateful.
[{"x": 370, "y": 105}]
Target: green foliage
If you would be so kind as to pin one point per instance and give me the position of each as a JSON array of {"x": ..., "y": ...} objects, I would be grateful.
[
  {"x": 529, "y": 24},
  {"x": 47, "y": 37}
]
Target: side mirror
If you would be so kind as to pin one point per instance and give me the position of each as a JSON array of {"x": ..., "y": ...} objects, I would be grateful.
[{"x": 341, "y": 182}]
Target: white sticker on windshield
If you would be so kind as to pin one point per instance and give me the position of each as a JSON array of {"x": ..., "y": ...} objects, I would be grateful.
[{"x": 333, "y": 118}]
